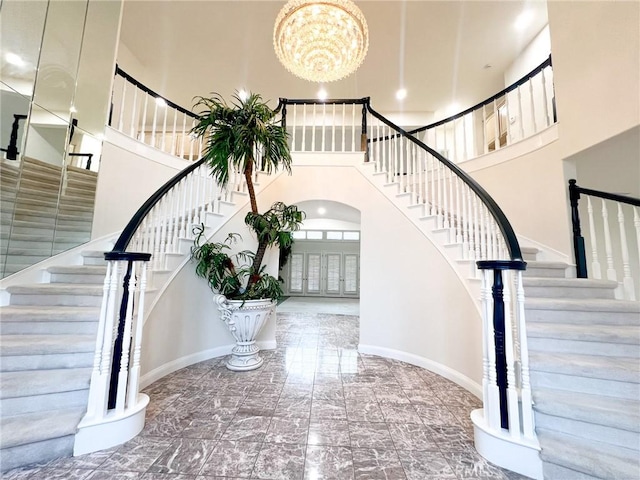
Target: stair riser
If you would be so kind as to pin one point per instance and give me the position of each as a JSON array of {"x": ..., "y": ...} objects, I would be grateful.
[
  {"x": 42, "y": 362},
  {"x": 584, "y": 384},
  {"x": 576, "y": 317},
  {"x": 545, "y": 272},
  {"x": 585, "y": 348},
  {"x": 591, "y": 431},
  {"x": 61, "y": 300},
  {"x": 42, "y": 403},
  {"x": 94, "y": 261},
  {"x": 36, "y": 452},
  {"x": 48, "y": 328},
  {"x": 568, "y": 292}
]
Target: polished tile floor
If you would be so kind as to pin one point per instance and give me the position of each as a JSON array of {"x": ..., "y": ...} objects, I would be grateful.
[{"x": 316, "y": 409}]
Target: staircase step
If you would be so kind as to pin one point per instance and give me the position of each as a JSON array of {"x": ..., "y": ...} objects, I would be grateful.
[
  {"x": 546, "y": 269},
  {"x": 611, "y": 340},
  {"x": 529, "y": 254},
  {"x": 605, "y": 419},
  {"x": 30, "y": 320},
  {"x": 31, "y": 163},
  {"x": 583, "y": 312},
  {"x": 43, "y": 382},
  {"x": 568, "y": 288},
  {"x": 618, "y": 376},
  {"x": 93, "y": 257},
  {"x": 86, "y": 274},
  {"x": 62, "y": 294},
  {"x": 33, "y": 352},
  {"x": 590, "y": 457}
]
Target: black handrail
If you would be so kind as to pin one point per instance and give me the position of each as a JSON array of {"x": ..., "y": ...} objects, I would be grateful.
[
  {"x": 503, "y": 223},
  {"x": 119, "y": 249},
  {"x": 502, "y": 93},
  {"x": 578, "y": 240},
  {"x": 88, "y": 155},
  {"x": 146, "y": 89}
]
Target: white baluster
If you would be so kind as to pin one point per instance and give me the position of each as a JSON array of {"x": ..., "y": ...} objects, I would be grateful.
[
  {"x": 533, "y": 108},
  {"x": 596, "y": 272},
  {"x": 627, "y": 280},
  {"x": 528, "y": 425},
  {"x": 174, "y": 132},
  {"x": 547, "y": 117},
  {"x": 313, "y": 131},
  {"x": 333, "y": 127},
  {"x": 191, "y": 142},
  {"x": 122, "y": 100},
  {"x": 184, "y": 134},
  {"x": 611, "y": 271},
  {"x": 465, "y": 221},
  {"x": 458, "y": 223},
  {"x": 324, "y": 125},
  {"x": 353, "y": 127},
  {"x": 513, "y": 406},
  {"x": 636, "y": 223},
  {"x": 134, "y": 378},
  {"x": 153, "y": 127},
  {"x": 164, "y": 127},
  {"x": 304, "y": 127},
  {"x": 520, "y": 113},
  {"x": 344, "y": 112},
  {"x": 143, "y": 127},
  {"x": 293, "y": 132},
  {"x": 132, "y": 127}
]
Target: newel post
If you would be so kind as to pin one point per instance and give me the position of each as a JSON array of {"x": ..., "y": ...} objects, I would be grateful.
[
  {"x": 578, "y": 239},
  {"x": 364, "y": 145}
]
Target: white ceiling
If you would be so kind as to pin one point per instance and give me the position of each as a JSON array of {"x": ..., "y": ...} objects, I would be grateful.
[{"x": 437, "y": 50}]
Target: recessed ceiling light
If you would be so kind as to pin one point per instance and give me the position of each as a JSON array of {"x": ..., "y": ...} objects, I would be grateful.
[
  {"x": 322, "y": 210},
  {"x": 322, "y": 94},
  {"x": 161, "y": 102},
  {"x": 401, "y": 94},
  {"x": 523, "y": 20},
  {"x": 242, "y": 94},
  {"x": 14, "y": 59},
  {"x": 73, "y": 109}
]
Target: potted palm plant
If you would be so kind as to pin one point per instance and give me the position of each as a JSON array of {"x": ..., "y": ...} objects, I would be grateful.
[{"x": 242, "y": 137}]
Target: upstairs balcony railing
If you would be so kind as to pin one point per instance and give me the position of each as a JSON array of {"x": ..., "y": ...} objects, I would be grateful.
[
  {"x": 611, "y": 249},
  {"x": 141, "y": 113},
  {"x": 520, "y": 111}
]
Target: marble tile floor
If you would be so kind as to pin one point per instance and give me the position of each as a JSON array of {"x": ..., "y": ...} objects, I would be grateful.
[{"x": 317, "y": 409}]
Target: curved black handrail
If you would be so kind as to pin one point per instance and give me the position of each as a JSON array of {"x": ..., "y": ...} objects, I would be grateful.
[
  {"x": 606, "y": 195},
  {"x": 501, "y": 219},
  {"x": 501, "y": 93},
  {"x": 146, "y": 89},
  {"x": 119, "y": 249}
]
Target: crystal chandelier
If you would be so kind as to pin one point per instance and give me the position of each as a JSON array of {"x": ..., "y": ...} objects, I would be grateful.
[{"x": 321, "y": 41}]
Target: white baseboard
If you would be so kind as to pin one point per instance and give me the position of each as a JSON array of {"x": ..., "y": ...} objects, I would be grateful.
[
  {"x": 435, "y": 367},
  {"x": 182, "y": 362},
  {"x": 518, "y": 455}
]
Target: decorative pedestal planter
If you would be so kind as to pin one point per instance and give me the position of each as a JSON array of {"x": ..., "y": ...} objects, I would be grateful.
[{"x": 244, "y": 320}]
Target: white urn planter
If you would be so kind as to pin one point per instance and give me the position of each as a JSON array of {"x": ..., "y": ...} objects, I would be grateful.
[{"x": 245, "y": 319}]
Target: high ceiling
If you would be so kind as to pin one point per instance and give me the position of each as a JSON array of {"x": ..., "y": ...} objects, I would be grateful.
[{"x": 437, "y": 50}]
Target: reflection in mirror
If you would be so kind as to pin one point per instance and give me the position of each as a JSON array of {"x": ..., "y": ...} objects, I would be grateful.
[
  {"x": 60, "y": 53},
  {"x": 20, "y": 52},
  {"x": 13, "y": 114},
  {"x": 46, "y": 136}
]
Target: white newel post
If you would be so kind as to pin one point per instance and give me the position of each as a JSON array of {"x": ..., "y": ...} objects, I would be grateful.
[{"x": 106, "y": 425}]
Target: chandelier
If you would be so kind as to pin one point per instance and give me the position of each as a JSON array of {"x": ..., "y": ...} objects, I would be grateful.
[{"x": 321, "y": 41}]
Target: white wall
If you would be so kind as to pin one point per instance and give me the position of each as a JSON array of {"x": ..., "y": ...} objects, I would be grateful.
[
  {"x": 533, "y": 55},
  {"x": 129, "y": 173},
  {"x": 596, "y": 58}
]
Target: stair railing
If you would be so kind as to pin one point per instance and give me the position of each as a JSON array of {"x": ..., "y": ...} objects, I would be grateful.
[
  {"x": 520, "y": 111},
  {"x": 153, "y": 234},
  {"x": 141, "y": 113},
  {"x": 458, "y": 205},
  {"x": 606, "y": 241},
  {"x": 12, "y": 147}
]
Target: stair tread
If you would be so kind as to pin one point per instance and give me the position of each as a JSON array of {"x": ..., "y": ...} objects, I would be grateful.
[
  {"x": 627, "y": 334},
  {"x": 46, "y": 344},
  {"x": 36, "y": 427},
  {"x": 597, "y": 304},
  {"x": 622, "y": 369},
  {"x": 546, "y": 264},
  {"x": 56, "y": 289},
  {"x": 619, "y": 413},
  {"x": 40, "y": 382},
  {"x": 82, "y": 269},
  {"x": 594, "y": 458},
  {"x": 567, "y": 282},
  {"x": 26, "y": 313}
]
